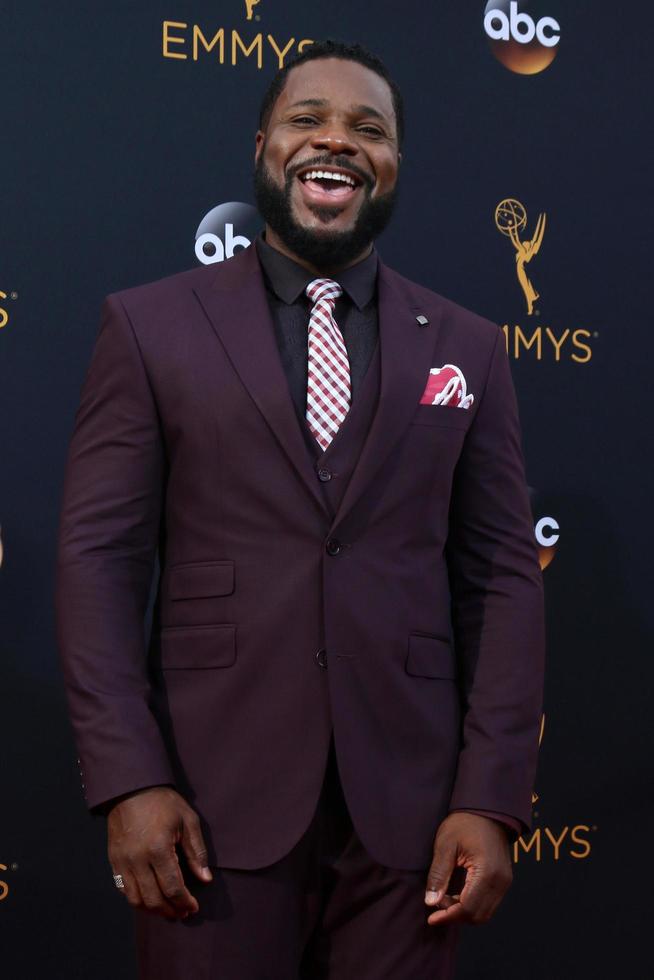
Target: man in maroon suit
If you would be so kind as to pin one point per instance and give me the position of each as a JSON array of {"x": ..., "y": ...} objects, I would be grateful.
[{"x": 316, "y": 765}]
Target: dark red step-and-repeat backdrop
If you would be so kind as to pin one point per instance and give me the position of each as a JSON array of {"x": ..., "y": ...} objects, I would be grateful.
[{"x": 126, "y": 155}]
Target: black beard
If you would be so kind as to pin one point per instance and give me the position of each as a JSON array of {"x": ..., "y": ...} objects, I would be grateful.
[{"x": 324, "y": 249}]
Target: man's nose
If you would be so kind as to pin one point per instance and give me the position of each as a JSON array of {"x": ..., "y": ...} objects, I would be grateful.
[{"x": 335, "y": 140}]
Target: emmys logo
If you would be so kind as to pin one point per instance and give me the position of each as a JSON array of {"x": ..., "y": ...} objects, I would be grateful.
[
  {"x": 523, "y": 43},
  {"x": 544, "y": 842},
  {"x": 511, "y": 220},
  {"x": 4, "y": 310},
  {"x": 225, "y": 230},
  {"x": 181, "y": 41},
  {"x": 534, "y": 796},
  {"x": 570, "y": 840},
  {"x": 4, "y": 887},
  {"x": 4, "y": 315}
]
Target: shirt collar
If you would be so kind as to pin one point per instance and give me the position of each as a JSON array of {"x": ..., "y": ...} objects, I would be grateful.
[{"x": 288, "y": 279}]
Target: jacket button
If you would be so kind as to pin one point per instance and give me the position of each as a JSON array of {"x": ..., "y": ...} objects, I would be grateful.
[
  {"x": 333, "y": 546},
  {"x": 321, "y": 657},
  {"x": 324, "y": 474}
]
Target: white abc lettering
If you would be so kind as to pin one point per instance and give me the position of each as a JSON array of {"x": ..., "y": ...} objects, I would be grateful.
[
  {"x": 231, "y": 241},
  {"x": 222, "y": 252},
  {"x": 547, "y": 524},
  {"x": 521, "y": 27},
  {"x": 548, "y": 40},
  {"x": 501, "y": 33},
  {"x": 520, "y": 21},
  {"x": 209, "y": 238}
]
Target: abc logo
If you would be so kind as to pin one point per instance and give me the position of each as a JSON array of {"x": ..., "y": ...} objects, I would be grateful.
[
  {"x": 225, "y": 230},
  {"x": 547, "y": 536},
  {"x": 547, "y": 530},
  {"x": 522, "y": 37}
]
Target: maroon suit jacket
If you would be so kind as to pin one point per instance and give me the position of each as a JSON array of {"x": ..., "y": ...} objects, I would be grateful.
[{"x": 424, "y": 586}]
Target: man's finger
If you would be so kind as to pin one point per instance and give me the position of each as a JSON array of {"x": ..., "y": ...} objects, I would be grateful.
[
  {"x": 131, "y": 889},
  {"x": 447, "y": 900},
  {"x": 480, "y": 896},
  {"x": 153, "y": 898},
  {"x": 482, "y": 893},
  {"x": 194, "y": 847},
  {"x": 442, "y": 866},
  {"x": 455, "y": 913},
  {"x": 171, "y": 882}
]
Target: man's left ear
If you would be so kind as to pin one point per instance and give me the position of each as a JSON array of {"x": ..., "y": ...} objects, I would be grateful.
[{"x": 259, "y": 140}]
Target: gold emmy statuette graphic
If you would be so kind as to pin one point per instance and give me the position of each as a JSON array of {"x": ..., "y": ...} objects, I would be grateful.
[
  {"x": 534, "y": 796},
  {"x": 511, "y": 219},
  {"x": 4, "y": 887},
  {"x": 4, "y": 316},
  {"x": 249, "y": 7}
]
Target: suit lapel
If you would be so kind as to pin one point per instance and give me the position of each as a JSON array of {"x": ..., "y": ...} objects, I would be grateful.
[
  {"x": 236, "y": 305},
  {"x": 406, "y": 357}
]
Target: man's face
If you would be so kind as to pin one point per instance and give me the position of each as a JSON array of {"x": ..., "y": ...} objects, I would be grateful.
[{"x": 334, "y": 118}]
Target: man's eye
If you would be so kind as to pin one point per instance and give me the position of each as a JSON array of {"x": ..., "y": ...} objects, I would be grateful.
[
  {"x": 370, "y": 130},
  {"x": 304, "y": 119}
]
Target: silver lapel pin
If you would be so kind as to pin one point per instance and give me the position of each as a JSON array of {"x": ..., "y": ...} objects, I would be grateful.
[{"x": 422, "y": 320}]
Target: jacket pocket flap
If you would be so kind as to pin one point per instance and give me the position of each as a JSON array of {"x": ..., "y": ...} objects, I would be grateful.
[
  {"x": 196, "y": 647},
  {"x": 430, "y": 656},
  {"x": 199, "y": 580}
]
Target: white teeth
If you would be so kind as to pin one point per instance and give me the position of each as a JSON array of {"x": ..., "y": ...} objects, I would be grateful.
[{"x": 327, "y": 175}]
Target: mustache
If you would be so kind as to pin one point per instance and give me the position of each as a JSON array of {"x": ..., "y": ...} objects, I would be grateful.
[{"x": 331, "y": 161}]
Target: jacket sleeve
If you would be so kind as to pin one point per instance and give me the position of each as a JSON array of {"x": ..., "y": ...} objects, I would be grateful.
[
  {"x": 497, "y": 607},
  {"x": 512, "y": 826},
  {"x": 107, "y": 541}
]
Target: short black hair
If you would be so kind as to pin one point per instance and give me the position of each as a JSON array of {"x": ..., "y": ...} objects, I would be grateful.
[{"x": 334, "y": 49}]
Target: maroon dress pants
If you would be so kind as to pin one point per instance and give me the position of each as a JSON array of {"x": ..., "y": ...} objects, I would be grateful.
[{"x": 325, "y": 911}]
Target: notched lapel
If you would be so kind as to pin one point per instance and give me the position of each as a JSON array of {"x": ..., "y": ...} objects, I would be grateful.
[
  {"x": 236, "y": 304},
  {"x": 406, "y": 356}
]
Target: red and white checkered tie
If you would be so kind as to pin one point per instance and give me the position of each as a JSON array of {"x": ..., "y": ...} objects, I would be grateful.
[{"x": 328, "y": 374}]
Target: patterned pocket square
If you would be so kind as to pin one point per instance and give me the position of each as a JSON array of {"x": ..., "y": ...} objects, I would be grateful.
[{"x": 447, "y": 386}]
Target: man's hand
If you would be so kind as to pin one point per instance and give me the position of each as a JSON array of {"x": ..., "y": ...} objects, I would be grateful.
[
  {"x": 480, "y": 846},
  {"x": 143, "y": 831}
]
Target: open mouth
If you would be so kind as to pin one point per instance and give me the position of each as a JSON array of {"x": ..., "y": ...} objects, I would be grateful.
[{"x": 329, "y": 184}]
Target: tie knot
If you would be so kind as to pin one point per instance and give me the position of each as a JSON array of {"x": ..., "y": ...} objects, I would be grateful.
[{"x": 323, "y": 290}]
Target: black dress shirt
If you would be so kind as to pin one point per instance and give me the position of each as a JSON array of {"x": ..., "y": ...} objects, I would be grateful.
[{"x": 355, "y": 313}]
